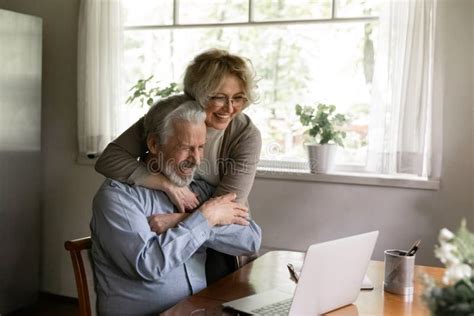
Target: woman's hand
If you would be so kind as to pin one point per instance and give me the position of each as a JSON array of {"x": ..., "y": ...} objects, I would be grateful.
[
  {"x": 182, "y": 197},
  {"x": 159, "y": 223}
]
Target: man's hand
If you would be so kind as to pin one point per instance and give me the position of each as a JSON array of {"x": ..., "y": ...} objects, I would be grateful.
[
  {"x": 223, "y": 210},
  {"x": 159, "y": 223}
]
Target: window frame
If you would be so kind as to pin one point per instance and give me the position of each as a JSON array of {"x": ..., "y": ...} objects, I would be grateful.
[
  {"x": 276, "y": 165},
  {"x": 251, "y": 21}
]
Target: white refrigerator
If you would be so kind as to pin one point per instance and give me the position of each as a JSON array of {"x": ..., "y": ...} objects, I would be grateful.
[{"x": 20, "y": 159}]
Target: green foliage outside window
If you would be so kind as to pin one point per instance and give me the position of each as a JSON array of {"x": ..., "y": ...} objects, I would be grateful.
[{"x": 147, "y": 95}]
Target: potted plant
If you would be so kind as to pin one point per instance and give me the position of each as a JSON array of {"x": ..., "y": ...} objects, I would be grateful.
[
  {"x": 454, "y": 295},
  {"x": 325, "y": 134}
]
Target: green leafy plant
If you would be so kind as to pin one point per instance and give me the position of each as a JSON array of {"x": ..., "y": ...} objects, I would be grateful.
[
  {"x": 455, "y": 295},
  {"x": 323, "y": 122},
  {"x": 147, "y": 95},
  {"x": 457, "y": 299}
]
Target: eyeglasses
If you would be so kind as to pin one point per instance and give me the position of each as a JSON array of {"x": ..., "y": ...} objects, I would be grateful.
[{"x": 221, "y": 100}]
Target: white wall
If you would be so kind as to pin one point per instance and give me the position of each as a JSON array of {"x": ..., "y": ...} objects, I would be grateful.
[{"x": 292, "y": 214}]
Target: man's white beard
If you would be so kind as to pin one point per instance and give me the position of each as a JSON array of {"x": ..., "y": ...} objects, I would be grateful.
[{"x": 177, "y": 180}]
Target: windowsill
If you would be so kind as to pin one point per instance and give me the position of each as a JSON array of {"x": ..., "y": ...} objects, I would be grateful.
[{"x": 402, "y": 181}]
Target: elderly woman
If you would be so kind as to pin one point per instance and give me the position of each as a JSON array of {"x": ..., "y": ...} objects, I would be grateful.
[{"x": 223, "y": 84}]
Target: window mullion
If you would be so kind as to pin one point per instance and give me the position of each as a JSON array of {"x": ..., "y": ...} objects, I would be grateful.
[
  {"x": 251, "y": 13},
  {"x": 175, "y": 12},
  {"x": 333, "y": 10}
]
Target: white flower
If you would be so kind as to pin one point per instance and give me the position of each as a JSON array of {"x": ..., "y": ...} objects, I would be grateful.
[
  {"x": 445, "y": 235},
  {"x": 457, "y": 272},
  {"x": 446, "y": 252}
]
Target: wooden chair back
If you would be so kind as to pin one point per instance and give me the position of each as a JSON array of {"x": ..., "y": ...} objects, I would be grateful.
[{"x": 79, "y": 249}]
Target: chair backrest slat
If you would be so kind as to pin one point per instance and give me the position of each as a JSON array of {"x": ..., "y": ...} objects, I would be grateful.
[{"x": 75, "y": 248}]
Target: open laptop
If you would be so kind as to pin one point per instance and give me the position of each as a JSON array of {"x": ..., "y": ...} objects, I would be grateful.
[{"x": 331, "y": 277}]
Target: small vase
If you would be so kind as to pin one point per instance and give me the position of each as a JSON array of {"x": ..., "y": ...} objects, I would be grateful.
[{"x": 321, "y": 157}]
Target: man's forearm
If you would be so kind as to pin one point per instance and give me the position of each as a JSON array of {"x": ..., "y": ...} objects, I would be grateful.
[
  {"x": 235, "y": 239},
  {"x": 166, "y": 251},
  {"x": 160, "y": 223}
]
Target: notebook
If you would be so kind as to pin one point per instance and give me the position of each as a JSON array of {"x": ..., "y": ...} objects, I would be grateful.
[{"x": 331, "y": 277}]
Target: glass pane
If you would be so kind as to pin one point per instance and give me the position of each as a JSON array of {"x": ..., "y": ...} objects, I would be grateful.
[
  {"x": 148, "y": 12},
  {"x": 212, "y": 11},
  {"x": 357, "y": 8},
  {"x": 277, "y": 10},
  {"x": 297, "y": 64}
]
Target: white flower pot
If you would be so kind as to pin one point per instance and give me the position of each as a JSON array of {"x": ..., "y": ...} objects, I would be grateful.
[{"x": 321, "y": 157}]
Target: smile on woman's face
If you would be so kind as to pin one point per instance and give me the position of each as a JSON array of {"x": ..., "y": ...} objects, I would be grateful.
[{"x": 225, "y": 103}]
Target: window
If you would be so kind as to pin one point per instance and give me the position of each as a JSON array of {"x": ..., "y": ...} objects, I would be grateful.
[{"x": 304, "y": 52}]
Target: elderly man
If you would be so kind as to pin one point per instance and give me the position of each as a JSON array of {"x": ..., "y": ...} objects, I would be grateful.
[{"x": 139, "y": 272}]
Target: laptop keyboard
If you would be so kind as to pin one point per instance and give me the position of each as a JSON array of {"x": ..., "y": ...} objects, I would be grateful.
[{"x": 278, "y": 308}]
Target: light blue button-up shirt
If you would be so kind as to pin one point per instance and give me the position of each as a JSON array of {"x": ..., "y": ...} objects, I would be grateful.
[{"x": 139, "y": 272}]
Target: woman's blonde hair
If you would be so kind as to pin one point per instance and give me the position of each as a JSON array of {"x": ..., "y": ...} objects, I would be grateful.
[{"x": 205, "y": 73}]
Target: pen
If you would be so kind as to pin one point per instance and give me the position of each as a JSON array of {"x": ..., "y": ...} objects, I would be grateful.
[
  {"x": 293, "y": 274},
  {"x": 413, "y": 249}
]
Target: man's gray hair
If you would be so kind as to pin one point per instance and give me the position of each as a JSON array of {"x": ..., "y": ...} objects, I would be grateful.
[{"x": 178, "y": 108}]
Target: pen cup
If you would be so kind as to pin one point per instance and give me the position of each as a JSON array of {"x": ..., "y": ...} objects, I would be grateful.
[{"x": 399, "y": 272}]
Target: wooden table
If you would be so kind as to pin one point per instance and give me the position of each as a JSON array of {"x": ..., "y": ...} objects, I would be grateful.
[{"x": 269, "y": 271}]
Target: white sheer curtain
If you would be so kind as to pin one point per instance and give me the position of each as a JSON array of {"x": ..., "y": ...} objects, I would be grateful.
[
  {"x": 100, "y": 53},
  {"x": 405, "y": 120}
]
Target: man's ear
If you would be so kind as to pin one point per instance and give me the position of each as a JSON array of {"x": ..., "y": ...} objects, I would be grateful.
[{"x": 152, "y": 144}]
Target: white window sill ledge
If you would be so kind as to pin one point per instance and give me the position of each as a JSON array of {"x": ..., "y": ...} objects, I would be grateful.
[
  {"x": 410, "y": 182},
  {"x": 402, "y": 181}
]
